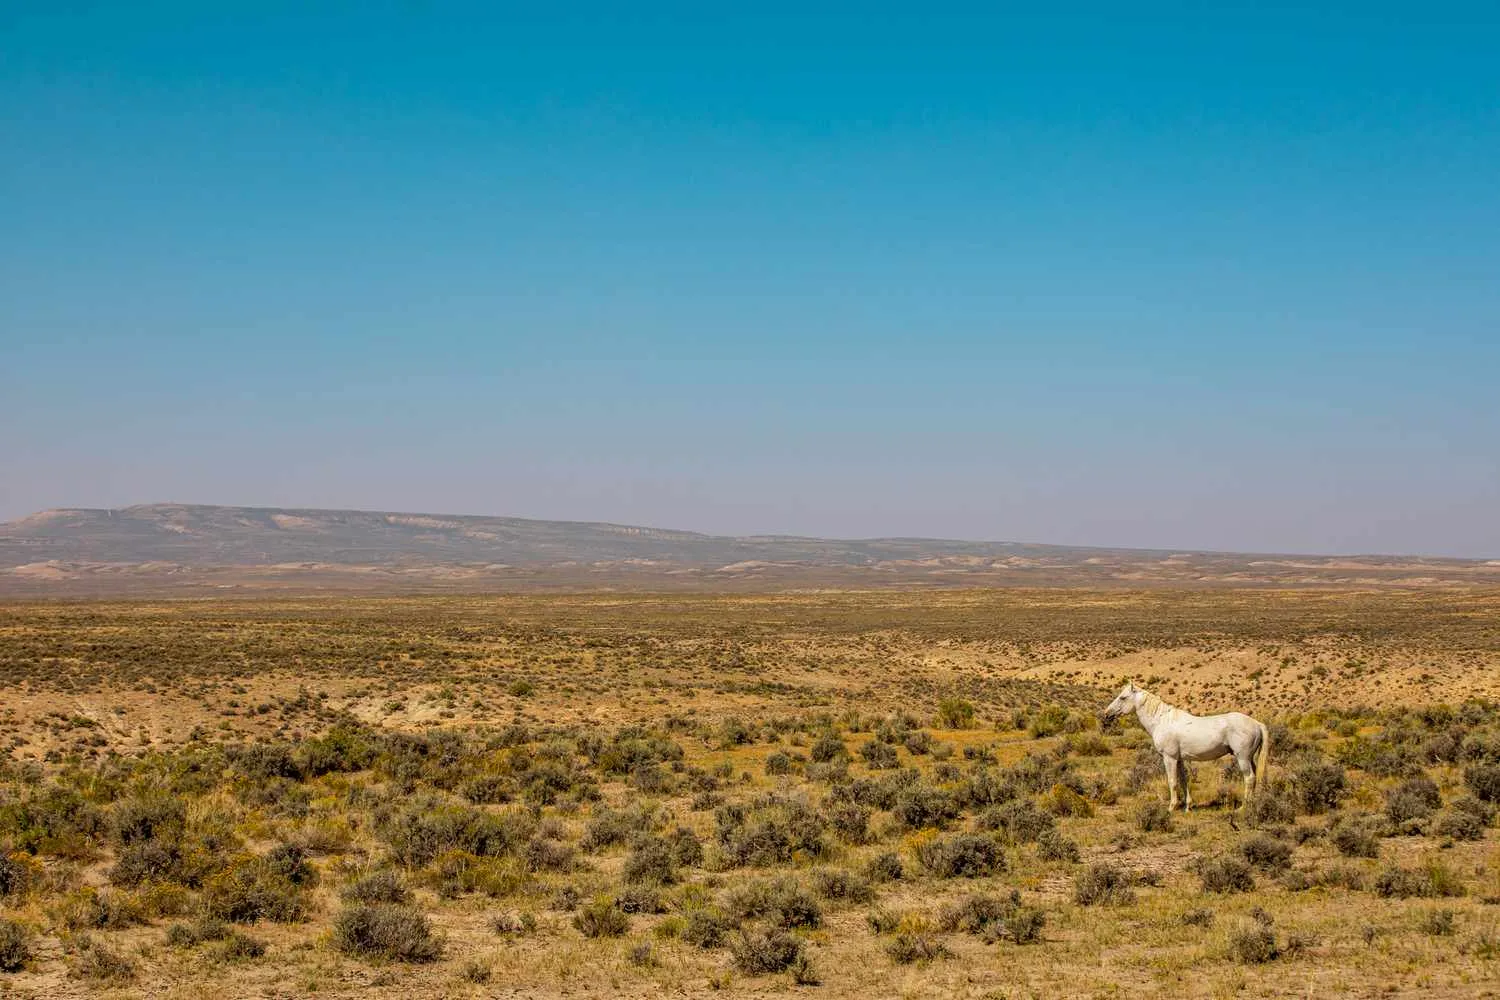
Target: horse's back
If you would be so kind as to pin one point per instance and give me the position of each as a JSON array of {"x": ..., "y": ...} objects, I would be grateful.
[{"x": 1204, "y": 737}]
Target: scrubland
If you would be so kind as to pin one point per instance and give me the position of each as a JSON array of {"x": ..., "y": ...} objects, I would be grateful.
[{"x": 830, "y": 794}]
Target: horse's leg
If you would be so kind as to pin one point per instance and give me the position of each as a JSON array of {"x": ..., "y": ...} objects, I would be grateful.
[
  {"x": 1185, "y": 778},
  {"x": 1247, "y": 772},
  {"x": 1171, "y": 764}
]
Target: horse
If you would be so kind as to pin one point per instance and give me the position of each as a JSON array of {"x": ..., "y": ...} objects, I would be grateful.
[{"x": 1180, "y": 736}]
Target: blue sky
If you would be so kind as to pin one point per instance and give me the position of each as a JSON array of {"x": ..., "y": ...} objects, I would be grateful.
[{"x": 1173, "y": 279}]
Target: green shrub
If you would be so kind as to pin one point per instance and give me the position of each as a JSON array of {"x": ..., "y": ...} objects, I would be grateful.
[
  {"x": 289, "y": 861},
  {"x": 386, "y": 931},
  {"x": 803, "y": 971},
  {"x": 1432, "y": 880},
  {"x": 1459, "y": 824},
  {"x": 1145, "y": 769},
  {"x": 1271, "y": 806},
  {"x": 15, "y": 875},
  {"x": 1048, "y": 722},
  {"x": 155, "y": 816},
  {"x": 425, "y": 829},
  {"x": 641, "y": 955},
  {"x": 1199, "y": 916},
  {"x": 955, "y": 713},
  {"x": 146, "y": 861},
  {"x": 770, "y": 831},
  {"x": 544, "y": 854},
  {"x": 608, "y": 827},
  {"x": 850, "y": 821},
  {"x": 53, "y": 820},
  {"x": 1066, "y": 801},
  {"x": 918, "y": 742},
  {"x": 1089, "y": 745},
  {"x": 1343, "y": 876},
  {"x": 640, "y": 898}
]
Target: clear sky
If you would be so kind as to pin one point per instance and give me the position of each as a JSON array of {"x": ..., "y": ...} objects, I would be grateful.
[{"x": 1052, "y": 272}]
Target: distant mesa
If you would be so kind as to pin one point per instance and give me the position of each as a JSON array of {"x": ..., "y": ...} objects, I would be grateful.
[{"x": 177, "y": 548}]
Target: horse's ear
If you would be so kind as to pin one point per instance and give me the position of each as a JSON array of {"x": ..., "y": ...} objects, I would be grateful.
[{"x": 1130, "y": 685}]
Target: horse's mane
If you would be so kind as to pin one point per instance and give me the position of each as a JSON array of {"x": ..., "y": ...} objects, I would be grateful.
[{"x": 1154, "y": 705}]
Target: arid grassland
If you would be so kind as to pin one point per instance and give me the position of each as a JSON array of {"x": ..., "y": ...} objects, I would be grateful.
[{"x": 832, "y": 794}]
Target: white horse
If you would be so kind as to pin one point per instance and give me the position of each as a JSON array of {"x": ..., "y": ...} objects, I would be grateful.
[{"x": 1181, "y": 736}]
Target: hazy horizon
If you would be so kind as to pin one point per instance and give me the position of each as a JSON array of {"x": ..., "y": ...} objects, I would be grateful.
[{"x": 1222, "y": 283}]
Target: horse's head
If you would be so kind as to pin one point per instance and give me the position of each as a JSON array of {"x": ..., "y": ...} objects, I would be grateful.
[{"x": 1124, "y": 702}]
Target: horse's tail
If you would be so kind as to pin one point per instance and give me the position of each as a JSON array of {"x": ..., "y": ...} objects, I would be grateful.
[{"x": 1260, "y": 756}]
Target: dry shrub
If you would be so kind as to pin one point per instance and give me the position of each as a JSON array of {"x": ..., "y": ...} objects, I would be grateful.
[
  {"x": 706, "y": 928},
  {"x": 1254, "y": 945},
  {"x": 601, "y": 917},
  {"x": 97, "y": 962},
  {"x": 377, "y": 887},
  {"x": 964, "y": 855},
  {"x": 841, "y": 885},
  {"x": 782, "y": 901},
  {"x": 1152, "y": 816},
  {"x": 1103, "y": 884},
  {"x": 250, "y": 889},
  {"x": 1053, "y": 846},
  {"x": 760, "y": 952},
  {"x": 1320, "y": 785},
  {"x": 994, "y": 918},
  {"x": 1226, "y": 873},
  {"x": 914, "y": 941},
  {"x": 15, "y": 946},
  {"x": 1355, "y": 837},
  {"x": 386, "y": 931},
  {"x": 1064, "y": 801},
  {"x": 1266, "y": 853}
]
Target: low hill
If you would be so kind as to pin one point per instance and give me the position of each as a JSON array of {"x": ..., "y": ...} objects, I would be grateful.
[{"x": 162, "y": 548}]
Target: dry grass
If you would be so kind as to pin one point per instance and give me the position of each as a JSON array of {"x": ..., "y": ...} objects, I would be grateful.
[{"x": 632, "y": 796}]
